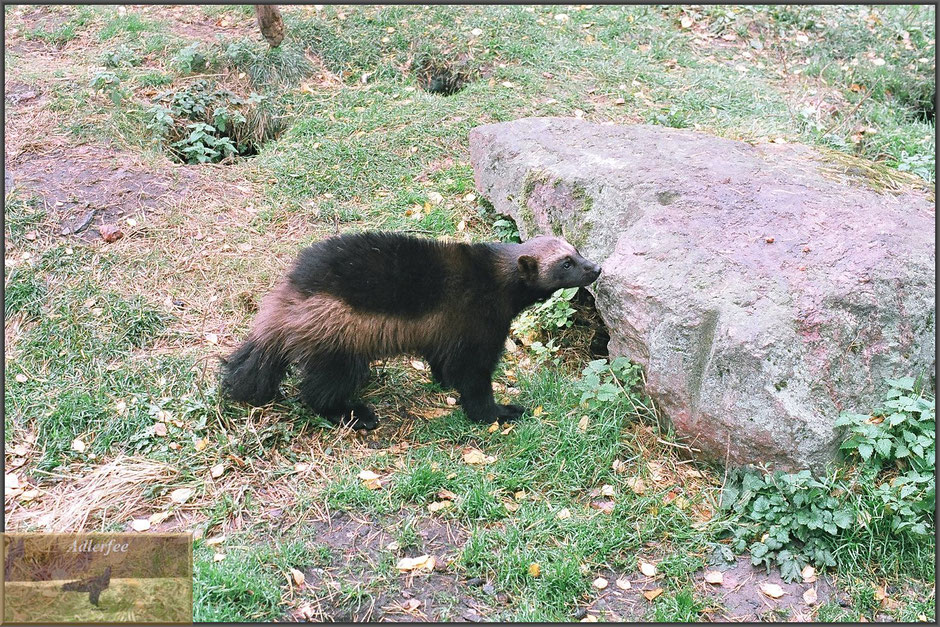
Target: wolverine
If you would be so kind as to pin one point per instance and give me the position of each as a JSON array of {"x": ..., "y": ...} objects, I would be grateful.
[{"x": 355, "y": 298}]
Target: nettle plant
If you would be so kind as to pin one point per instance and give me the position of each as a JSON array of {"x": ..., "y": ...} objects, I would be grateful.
[
  {"x": 553, "y": 315},
  {"x": 896, "y": 446},
  {"x": 787, "y": 520},
  {"x": 603, "y": 382}
]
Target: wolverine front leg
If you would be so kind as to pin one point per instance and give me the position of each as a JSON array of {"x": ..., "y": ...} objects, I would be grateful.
[{"x": 476, "y": 396}]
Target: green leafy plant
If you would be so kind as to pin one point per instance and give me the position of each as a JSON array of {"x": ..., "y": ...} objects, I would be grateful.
[
  {"x": 160, "y": 121},
  {"x": 191, "y": 59},
  {"x": 122, "y": 56},
  {"x": 109, "y": 83},
  {"x": 602, "y": 382},
  {"x": 204, "y": 145},
  {"x": 787, "y": 520},
  {"x": 896, "y": 446},
  {"x": 506, "y": 230},
  {"x": 553, "y": 314}
]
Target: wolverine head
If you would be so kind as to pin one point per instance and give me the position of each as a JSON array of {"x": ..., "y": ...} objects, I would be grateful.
[{"x": 550, "y": 263}]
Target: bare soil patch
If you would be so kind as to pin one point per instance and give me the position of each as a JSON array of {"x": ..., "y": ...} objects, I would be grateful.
[
  {"x": 358, "y": 545},
  {"x": 87, "y": 186}
]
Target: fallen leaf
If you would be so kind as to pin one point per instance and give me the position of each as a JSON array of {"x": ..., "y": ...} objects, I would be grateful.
[
  {"x": 212, "y": 338},
  {"x": 217, "y": 470},
  {"x": 771, "y": 590},
  {"x": 600, "y": 583},
  {"x": 636, "y": 484},
  {"x": 110, "y": 232},
  {"x": 510, "y": 506},
  {"x": 418, "y": 365},
  {"x": 298, "y": 577},
  {"x": 140, "y": 524},
  {"x": 623, "y": 583},
  {"x": 648, "y": 569},
  {"x": 590, "y": 618},
  {"x": 534, "y": 570},
  {"x": 158, "y": 517},
  {"x": 302, "y": 467},
  {"x": 808, "y": 573},
  {"x": 410, "y": 605},
  {"x": 880, "y": 593},
  {"x": 416, "y": 563},
  {"x": 244, "y": 247},
  {"x": 439, "y": 505},
  {"x": 619, "y": 101},
  {"x": 652, "y": 594},
  {"x": 714, "y": 576},
  {"x": 392, "y": 546},
  {"x": 215, "y": 540},
  {"x": 218, "y": 557},
  {"x": 200, "y": 444},
  {"x": 446, "y": 495},
  {"x": 78, "y": 445},
  {"x": 435, "y": 199},
  {"x": 476, "y": 457},
  {"x": 686, "y": 21},
  {"x": 493, "y": 428},
  {"x": 368, "y": 475},
  {"x": 564, "y": 514},
  {"x": 159, "y": 429},
  {"x": 605, "y": 506},
  {"x": 21, "y": 378},
  {"x": 20, "y": 450},
  {"x": 181, "y": 495},
  {"x": 809, "y": 596},
  {"x": 10, "y": 482},
  {"x": 508, "y": 429},
  {"x": 583, "y": 424},
  {"x": 619, "y": 466},
  {"x": 29, "y": 495},
  {"x": 607, "y": 490}
]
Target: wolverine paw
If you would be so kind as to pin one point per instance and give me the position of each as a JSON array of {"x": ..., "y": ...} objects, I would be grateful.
[
  {"x": 360, "y": 417},
  {"x": 508, "y": 413}
]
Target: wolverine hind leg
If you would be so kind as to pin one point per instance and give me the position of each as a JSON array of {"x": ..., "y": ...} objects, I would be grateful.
[{"x": 329, "y": 386}]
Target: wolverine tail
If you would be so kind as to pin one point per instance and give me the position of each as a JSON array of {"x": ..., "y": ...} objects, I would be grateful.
[{"x": 253, "y": 372}]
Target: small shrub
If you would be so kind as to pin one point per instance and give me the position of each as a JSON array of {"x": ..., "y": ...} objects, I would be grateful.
[
  {"x": 506, "y": 231},
  {"x": 191, "y": 59},
  {"x": 203, "y": 145},
  {"x": 122, "y": 56}
]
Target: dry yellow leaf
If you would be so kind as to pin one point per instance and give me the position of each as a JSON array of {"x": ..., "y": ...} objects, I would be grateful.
[
  {"x": 439, "y": 505},
  {"x": 493, "y": 428},
  {"x": 583, "y": 424},
  {"x": 808, "y": 573},
  {"x": 636, "y": 484},
  {"x": 158, "y": 517},
  {"x": 771, "y": 590},
  {"x": 619, "y": 466},
  {"x": 215, "y": 540},
  {"x": 648, "y": 569},
  {"x": 181, "y": 495},
  {"x": 607, "y": 490},
  {"x": 418, "y": 365},
  {"x": 218, "y": 557},
  {"x": 519, "y": 495},
  {"x": 446, "y": 495},
  {"x": 298, "y": 577},
  {"x": 534, "y": 570},
  {"x": 714, "y": 576},
  {"x": 200, "y": 444},
  {"x": 140, "y": 524},
  {"x": 368, "y": 475},
  {"x": 508, "y": 429},
  {"x": 564, "y": 514},
  {"x": 217, "y": 470},
  {"x": 809, "y": 596},
  {"x": 537, "y": 411},
  {"x": 600, "y": 583},
  {"x": 510, "y": 506},
  {"x": 623, "y": 583},
  {"x": 425, "y": 562},
  {"x": 880, "y": 593},
  {"x": 652, "y": 594},
  {"x": 590, "y": 618},
  {"x": 78, "y": 445},
  {"x": 20, "y": 450},
  {"x": 159, "y": 429},
  {"x": 476, "y": 457},
  {"x": 29, "y": 495}
]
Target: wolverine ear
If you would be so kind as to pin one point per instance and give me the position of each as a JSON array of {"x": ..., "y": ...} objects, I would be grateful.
[{"x": 529, "y": 268}]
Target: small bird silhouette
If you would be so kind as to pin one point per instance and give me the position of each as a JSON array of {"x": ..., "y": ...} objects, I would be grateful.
[{"x": 92, "y": 585}]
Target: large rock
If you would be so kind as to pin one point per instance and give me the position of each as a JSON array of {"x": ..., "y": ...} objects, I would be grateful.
[{"x": 763, "y": 288}]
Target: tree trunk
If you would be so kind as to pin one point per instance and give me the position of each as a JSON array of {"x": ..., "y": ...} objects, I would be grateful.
[{"x": 271, "y": 23}]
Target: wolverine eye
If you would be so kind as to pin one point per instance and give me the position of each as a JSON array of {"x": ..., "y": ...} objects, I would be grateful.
[{"x": 566, "y": 265}]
